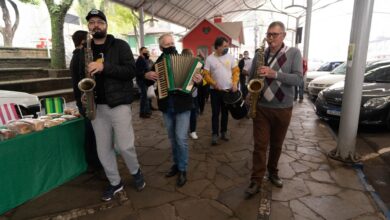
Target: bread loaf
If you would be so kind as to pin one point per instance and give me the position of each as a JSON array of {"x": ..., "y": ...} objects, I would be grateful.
[
  {"x": 59, "y": 120},
  {"x": 51, "y": 123},
  {"x": 45, "y": 117},
  {"x": 72, "y": 111},
  {"x": 37, "y": 124},
  {"x": 68, "y": 117},
  {"x": 55, "y": 115},
  {"x": 20, "y": 127},
  {"x": 6, "y": 134}
]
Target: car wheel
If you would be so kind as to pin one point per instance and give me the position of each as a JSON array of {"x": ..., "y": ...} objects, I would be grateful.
[{"x": 388, "y": 120}]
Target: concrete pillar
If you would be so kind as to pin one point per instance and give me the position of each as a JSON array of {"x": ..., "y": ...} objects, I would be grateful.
[
  {"x": 356, "y": 64},
  {"x": 309, "y": 7}
]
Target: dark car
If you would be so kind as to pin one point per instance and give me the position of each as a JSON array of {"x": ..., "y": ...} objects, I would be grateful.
[
  {"x": 375, "y": 105},
  {"x": 329, "y": 66}
]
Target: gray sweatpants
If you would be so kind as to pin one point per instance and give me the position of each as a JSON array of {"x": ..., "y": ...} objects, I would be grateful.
[{"x": 117, "y": 120}]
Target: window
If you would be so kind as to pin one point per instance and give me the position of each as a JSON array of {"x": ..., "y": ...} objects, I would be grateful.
[{"x": 382, "y": 74}]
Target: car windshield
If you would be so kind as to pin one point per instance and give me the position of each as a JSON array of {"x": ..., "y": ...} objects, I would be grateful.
[
  {"x": 340, "y": 70},
  {"x": 324, "y": 67}
]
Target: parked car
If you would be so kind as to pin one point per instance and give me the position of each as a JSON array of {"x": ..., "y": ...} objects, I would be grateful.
[
  {"x": 29, "y": 104},
  {"x": 337, "y": 75},
  {"x": 322, "y": 82},
  {"x": 323, "y": 70},
  {"x": 375, "y": 105}
]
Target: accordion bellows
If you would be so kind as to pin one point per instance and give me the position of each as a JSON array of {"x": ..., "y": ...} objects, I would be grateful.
[{"x": 175, "y": 74}]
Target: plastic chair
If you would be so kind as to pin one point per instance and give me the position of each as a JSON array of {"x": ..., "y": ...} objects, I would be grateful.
[
  {"x": 8, "y": 112},
  {"x": 53, "y": 105}
]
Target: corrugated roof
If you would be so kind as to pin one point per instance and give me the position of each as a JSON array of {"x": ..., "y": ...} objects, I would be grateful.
[
  {"x": 188, "y": 13},
  {"x": 152, "y": 30}
]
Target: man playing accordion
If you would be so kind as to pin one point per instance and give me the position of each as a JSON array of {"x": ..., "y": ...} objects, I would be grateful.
[{"x": 176, "y": 108}]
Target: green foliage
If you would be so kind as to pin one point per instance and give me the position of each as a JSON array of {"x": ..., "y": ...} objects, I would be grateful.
[
  {"x": 83, "y": 7},
  {"x": 120, "y": 18},
  {"x": 33, "y": 2}
]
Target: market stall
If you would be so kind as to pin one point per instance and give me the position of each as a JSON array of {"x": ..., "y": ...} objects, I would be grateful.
[{"x": 34, "y": 163}]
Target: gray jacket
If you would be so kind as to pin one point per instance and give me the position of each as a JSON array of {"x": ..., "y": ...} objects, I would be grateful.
[{"x": 289, "y": 74}]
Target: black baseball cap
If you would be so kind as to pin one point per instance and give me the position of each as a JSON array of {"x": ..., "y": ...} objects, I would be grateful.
[{"x": 96, "y": 13}]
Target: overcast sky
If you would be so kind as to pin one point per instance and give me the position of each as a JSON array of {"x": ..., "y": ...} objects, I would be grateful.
[{"x": 330, "y": 29}]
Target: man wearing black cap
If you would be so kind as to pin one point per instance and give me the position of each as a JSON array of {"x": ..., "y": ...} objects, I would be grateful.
[{"x": 113, "y": 69}]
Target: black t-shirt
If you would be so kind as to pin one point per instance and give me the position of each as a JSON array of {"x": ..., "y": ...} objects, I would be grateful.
[{"x": 98, "y": 56}]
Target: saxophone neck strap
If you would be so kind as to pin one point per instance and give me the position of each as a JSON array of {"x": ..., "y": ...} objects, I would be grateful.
[{"x": 273, "y": 57}]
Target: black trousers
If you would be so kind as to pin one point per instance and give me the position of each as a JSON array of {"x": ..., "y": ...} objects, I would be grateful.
[
  {"x": 243, "y": 88},
  {"x": 203, "y": 94},
  {"x": 91, "y": 155},
  {"x": 218, "y": 107}
]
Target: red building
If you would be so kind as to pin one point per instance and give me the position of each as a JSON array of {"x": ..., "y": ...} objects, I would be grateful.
[{"x": 200, "y": 39}]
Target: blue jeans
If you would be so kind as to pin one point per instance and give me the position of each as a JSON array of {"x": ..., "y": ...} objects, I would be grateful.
[
  {"x": 299, "y": 91},
  {"x": 218, "y": 106},
  {"x": 144, "y": 101},
  {"x": 177, "y": 126}
]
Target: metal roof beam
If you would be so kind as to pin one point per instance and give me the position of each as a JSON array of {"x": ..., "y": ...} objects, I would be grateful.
[
  {"x": 207, "y": 12},
  {"x": 180, "y": 8}
]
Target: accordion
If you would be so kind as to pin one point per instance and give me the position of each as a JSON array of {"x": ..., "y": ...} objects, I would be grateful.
[{"x": 175, "y": 73}]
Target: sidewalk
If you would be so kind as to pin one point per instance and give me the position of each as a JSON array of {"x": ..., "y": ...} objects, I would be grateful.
[{"x": 315, "y": 187}]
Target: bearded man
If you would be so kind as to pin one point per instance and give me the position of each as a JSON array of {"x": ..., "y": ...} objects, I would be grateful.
[{"x": 113, "y": 68}]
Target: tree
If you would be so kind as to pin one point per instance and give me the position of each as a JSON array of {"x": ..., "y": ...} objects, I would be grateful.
[
  {"x": 9, "y": 29},
  {"x": 120, "y": 18},
  {"x": 83, "y": 7},
  {"x": 57, "y": 14}
]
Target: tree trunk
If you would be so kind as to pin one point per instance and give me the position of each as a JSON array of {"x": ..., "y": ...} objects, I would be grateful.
[
  {"x": 136, "y": 36},
  {"x": 57, "y": 19},
  {"x": 57, "y": 39},
  {"x": 16, "y": 24},
  {"x": 6, "y": 31}
]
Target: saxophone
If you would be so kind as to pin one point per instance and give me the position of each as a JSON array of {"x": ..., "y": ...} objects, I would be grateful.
[
  {"x": 87, "y": 84},
  {"x": 256, "y": 84}
]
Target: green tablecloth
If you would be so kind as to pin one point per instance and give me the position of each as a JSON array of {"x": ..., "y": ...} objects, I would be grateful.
[{"x": 35, "y": 163}]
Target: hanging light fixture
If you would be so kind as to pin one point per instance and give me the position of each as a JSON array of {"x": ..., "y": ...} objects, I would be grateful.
[{"x": 152, "y": 20}]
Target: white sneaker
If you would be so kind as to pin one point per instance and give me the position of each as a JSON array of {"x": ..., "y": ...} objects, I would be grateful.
[{"x": 193, "y": 135}]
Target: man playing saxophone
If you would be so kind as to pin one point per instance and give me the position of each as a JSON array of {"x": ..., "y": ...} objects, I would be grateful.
[
  {"x": 282, "y": 71},
  {"x": 113, "y": 68}
]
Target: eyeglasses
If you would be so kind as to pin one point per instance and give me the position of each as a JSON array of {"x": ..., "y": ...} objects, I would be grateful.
[
  {"x": 99, "y": 22},
  {"x": 274, "y": 35}
]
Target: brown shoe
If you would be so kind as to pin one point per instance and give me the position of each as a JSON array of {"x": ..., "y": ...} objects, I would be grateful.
[
  {"x": 274, "y": 178},
  {"x": 252, "y": 190}
]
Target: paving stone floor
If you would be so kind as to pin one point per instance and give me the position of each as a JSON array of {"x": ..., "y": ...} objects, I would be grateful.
[{"x": 315, "y": 187}]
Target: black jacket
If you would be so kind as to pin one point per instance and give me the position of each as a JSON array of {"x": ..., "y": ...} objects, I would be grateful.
[
  {"x": 77, "y": 71},
  {"x": 181, "y": 101},
  {"x": 141, "y": 66},
  {"x": 117, "y": 76}
]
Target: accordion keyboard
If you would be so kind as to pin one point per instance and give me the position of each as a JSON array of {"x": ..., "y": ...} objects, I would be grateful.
[
  {"x": 162, "y": 82},
  {"x": 175, "y": 74}
]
